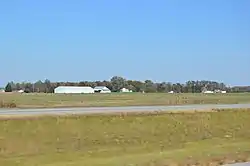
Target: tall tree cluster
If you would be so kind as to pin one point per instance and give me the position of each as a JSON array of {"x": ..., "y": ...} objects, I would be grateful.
[{"x": 116, "y": 83}]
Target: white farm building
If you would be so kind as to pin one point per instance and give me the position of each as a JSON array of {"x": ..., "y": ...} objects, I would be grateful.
[
  {"x": 74, "y": 89},
  {"x": 208, "y": 91},
  {"x": 124, "y": 90},
  {"x": 102, "y": 89}
]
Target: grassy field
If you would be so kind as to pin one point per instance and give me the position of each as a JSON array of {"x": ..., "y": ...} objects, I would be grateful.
[
  {"x": 127, "y": 139},
  {"x": 116, "y": 99}
]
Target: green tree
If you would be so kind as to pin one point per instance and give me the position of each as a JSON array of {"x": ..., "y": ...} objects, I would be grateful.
[
  {"x": 39, "y": 86},
  {"x": 161, "y": 87},
  {"x": 118, "y": 83},
  {"x": 47, "y": 86},
  {"x": 8, "y": 88},
  {"x": 28, "y": 88},
  {"x": 138, "y": 85},
  {"x": 150, "y": 87}
]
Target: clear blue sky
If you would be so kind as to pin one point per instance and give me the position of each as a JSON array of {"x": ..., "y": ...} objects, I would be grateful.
[{"x": 162, "y": 40}]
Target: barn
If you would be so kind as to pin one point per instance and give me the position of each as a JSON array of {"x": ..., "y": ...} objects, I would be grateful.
[
  {"x": 102, "y": 89},
  {"x": 74, "y": 89}
]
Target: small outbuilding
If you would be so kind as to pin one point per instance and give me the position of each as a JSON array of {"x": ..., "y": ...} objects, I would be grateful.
[
  {"x": 124, "y": 90},
  {"x": 20, "y": 91},
  {"x": 102, "y": 89},
  {"x": 74, "y": 89},
  {"x": 208, "y": 92}
]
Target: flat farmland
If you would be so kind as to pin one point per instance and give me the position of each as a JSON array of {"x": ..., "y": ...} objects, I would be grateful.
[
  {"x": 153, "y": 139},
  {"x": 35, "y": 100}
]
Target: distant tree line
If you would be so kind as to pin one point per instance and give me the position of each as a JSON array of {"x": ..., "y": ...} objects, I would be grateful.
[{"x": 116, "y": 83}]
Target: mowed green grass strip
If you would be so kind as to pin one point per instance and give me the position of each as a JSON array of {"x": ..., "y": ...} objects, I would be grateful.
[
  {"x": 118, "y": 99},
  {"x": 126, "y": 139}
]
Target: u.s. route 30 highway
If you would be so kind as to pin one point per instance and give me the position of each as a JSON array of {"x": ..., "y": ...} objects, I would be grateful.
[{"x": 110, "y": 110}]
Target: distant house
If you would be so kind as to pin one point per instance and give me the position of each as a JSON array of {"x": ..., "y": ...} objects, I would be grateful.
[
  {"x": 124, "y": 90},
  {"x": 20, "y": 91},
  {"x": 207, "y": 92},
  {"x": 204, "y": 90},
  {"x": 102, "y": 89},
  {"x": 74, "y": 89},
  {"x": 171, "y": 92},
  {"x": 217, "y": 91}
]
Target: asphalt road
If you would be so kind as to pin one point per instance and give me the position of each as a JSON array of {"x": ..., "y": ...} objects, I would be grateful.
[{"x": 94, "y": 110}]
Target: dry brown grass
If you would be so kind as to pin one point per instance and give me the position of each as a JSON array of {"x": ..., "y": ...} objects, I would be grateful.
[
  {"x": 8, "y": 104},
  {"x": 119, "y": 99}
]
